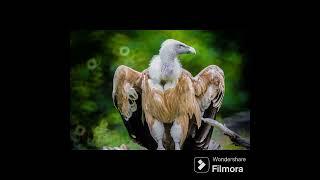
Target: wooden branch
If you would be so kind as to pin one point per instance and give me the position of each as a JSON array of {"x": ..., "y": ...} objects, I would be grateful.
[
  {"x": 214, "y": 146},
  {"x": 234, "y": 137}
]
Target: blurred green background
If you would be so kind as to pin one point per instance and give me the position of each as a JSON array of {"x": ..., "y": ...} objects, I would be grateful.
[{"x": 94, "y": 56}]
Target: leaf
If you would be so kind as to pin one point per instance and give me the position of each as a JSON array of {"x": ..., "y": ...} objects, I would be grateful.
[{"x": 88, "y": 106}]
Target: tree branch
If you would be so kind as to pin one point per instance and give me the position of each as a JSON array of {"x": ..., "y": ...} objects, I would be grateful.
[{"x": 234, "y": 137}]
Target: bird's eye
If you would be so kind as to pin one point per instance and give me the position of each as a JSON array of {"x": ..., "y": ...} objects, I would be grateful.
[{"x": 181, "y": 45}]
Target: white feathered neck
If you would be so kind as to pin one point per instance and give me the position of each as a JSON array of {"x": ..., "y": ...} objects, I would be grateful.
[{"x": 165, "y": 66}]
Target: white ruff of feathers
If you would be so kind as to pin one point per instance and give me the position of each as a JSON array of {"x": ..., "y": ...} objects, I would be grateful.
[{"x": 165, "y": 66}]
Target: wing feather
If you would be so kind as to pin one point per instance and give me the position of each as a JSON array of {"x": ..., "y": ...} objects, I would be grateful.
[
  {"x": 209, "y": 91},
  {"x": 209, "y": 86},
  {"x": 126, "y": 95}
]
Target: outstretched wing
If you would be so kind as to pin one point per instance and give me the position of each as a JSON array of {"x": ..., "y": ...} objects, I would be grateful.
[
  {"x": 126, "y": 95},
  {"x": 209, "y": 90}
]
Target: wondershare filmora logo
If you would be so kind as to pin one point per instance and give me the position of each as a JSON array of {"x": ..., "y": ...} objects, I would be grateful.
[
  {"x": 219, "y": 164},
  {"x": 201, "y": 164}
]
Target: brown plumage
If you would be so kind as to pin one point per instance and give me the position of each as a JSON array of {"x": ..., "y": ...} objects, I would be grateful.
[
  {"x": 177, "y": 103},
  {"x": 162, "y": 107},
  {"x": 191, "y": 97}
]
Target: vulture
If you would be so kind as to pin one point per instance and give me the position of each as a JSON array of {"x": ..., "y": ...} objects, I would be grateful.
[{"x": 163, "y": 105}]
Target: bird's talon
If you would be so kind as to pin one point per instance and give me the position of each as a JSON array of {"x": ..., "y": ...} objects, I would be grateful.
[
  {"x": 161, "y": 148},
  {"x": 177, "y": 147}
]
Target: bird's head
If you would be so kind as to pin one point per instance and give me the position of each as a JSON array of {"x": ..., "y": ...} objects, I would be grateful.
[{"x": 171, "y": 47}]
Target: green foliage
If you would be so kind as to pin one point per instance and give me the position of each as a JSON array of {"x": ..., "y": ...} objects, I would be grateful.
[
  {"x": 96, "y": 54},
  {"x": 110, "y": 132}
]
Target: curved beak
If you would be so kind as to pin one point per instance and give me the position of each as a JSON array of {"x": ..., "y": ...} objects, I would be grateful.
[{"x": 192, "y": 50}]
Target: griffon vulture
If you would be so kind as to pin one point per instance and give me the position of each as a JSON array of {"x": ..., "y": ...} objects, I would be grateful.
[{"x": 162, "y": 106}]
